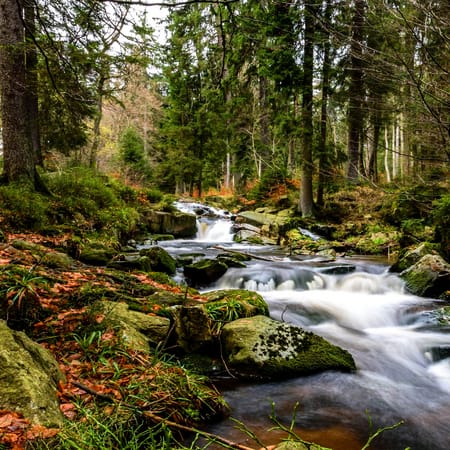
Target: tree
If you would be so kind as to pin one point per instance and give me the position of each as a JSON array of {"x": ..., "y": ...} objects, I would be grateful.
[
  {"x": 19, "y": 155},
  {"x": 356, "y": 92},
  {"x": 306, "y": 193}
]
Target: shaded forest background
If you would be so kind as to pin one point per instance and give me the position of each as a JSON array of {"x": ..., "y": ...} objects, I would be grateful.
[{"x": 233, "y": 97}]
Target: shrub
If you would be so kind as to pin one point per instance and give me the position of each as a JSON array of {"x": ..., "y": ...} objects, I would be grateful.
[
  {"x": 80, "y": 184},
  {"x": 154, "y": 195},
  {"x": 23, "y": 207}
]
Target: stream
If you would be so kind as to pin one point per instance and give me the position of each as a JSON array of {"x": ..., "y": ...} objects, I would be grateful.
[{"x": 402, "y": 356}]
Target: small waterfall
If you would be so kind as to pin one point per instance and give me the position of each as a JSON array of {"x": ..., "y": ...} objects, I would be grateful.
[
  {"x": 402, "y": 355},
  {"x": 214, "y": 230},
  {"x": 213, "y": 224},
  {"x": 268, "y": 277}
]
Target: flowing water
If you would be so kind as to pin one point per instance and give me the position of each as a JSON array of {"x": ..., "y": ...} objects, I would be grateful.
[{"x": 402, "y": 372}]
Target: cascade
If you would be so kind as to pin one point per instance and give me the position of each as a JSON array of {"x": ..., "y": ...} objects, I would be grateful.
[{"x": 402, "y": 356}]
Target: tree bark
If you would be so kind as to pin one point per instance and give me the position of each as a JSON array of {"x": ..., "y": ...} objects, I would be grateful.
[
  {"x": 355, "y": 111},
  {"x": 19, "y": 157},
  {"x": 32, "y": 104},
  {"x": 324, "y": 158},
  {"x": 306, "y": 193}
]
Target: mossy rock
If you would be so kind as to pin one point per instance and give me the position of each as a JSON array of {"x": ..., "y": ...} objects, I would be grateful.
[
  {"x": 138, "y": 331},
  {"x": 96, "y": 256},
  {"x": 57, "y": 260},
  {"x": 412, "y": 255},
  {"x": 238, "y": 256},
  {"x": 429, "y": 277},
  {"x": 161, "y": 237},
  {"x": 131, "y": 263},
  {"x": 227, "y": 305},
  {"x": 230, "y": 261},
  {"x": 29, "y": 376},
  {"x": 261, "y": 348},
  {"x": 205, "y": 272},
  {"x": 20, "y": 244},
  {"x": 252, "y": 302},
  {"x": 192, "y": 328},
  {"x": 159, "y": 260}
]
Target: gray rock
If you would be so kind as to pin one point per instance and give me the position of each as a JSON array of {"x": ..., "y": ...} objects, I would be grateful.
[
  {"x": 29, "y": 376},
  {"x": 138, "y": 330},
  {"x": 260, "y": 347},
  {"x": 205, "y": 272},
  {"x": 177, "y": 224},
  {"x": 428, "y": 277},
  {"x": 412, "y": 256},
  {"x": 192, "y": 328}
]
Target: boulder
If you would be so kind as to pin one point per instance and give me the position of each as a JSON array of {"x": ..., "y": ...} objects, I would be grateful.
[
  {"x": 192, "y": 328},
  {"x": 138, "y": 330},
  {"x": 197, "y": 326},
  {"x": 204, "y": 272},
  {"x": 270, "y": 225},
  {"x": 130, "y": 263},
  {"x": 412, "y": 256},
  {"x": 159, "y": 260},
  {"x": 29, "y": 376},
  {"x": 57, "y": 260},
  {"x": 96, "y": 255},
  {"x": 260, "y": 347},
  {"x": 178, "y": 224},
  {"x": 428, "y": 277}
]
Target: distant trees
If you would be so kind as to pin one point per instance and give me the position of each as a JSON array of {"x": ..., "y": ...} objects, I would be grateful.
[{"x": 267, "y": 92}]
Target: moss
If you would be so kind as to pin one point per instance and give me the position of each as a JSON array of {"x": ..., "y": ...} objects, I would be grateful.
[
  {"x": 159, "y": 260},
  {"x": 96, "y": 256},
  {"x": 417, "y": 282},
  {"x": 262, "y": 348},
  {"x": 228, "y": 305}
]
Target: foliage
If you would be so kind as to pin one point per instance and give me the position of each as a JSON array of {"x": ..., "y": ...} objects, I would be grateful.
[
  {"x": 131, "y": 147},
  {"x": 154, "y": 195},
  {"x": 23, "y": 208},
  {"x": 19, "y": 296},
  {"x": 92, "y": 202}
]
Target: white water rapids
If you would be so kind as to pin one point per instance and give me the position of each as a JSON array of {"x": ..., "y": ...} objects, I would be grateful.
[{"x": 359, "y": 306}]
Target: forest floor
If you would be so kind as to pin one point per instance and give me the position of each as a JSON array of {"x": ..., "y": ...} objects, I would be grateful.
[{"x": 53, "y": 305}]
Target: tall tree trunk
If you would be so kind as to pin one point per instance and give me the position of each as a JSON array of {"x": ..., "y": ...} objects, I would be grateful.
[
  {"x": 386, "y": 155},
  {"x": 324, "y": 165},
  {"x": 18, "y": 155},
  {"x": 372, "y": 164},
  {"x": 264, "y": 155},
  {"x": 31, "y": 96},
  {"x": 356, "y": 88},
  {"x": 97, "y": 121},
  {"x": 306, "y": 190}
]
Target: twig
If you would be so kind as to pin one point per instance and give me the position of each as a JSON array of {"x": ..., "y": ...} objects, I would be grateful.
[
  {"x": 159, "y": 419},
  {"x": 211, "y": 436}
]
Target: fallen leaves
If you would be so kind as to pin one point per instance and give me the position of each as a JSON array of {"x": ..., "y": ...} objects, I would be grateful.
[{"x": 16, "y": 431}]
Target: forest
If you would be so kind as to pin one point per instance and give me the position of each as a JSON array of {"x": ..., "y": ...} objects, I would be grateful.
[{"x": 334, "y": 114}]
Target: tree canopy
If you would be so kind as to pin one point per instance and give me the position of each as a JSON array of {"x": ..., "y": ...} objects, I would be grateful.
[{"x": 267, "y": 92}]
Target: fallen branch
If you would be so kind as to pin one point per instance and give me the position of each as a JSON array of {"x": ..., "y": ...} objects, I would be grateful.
[
  {"x": 159, "y": 419},
  {"x": 213, "y": 437},
  {"x": 250, "y": 255}
]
